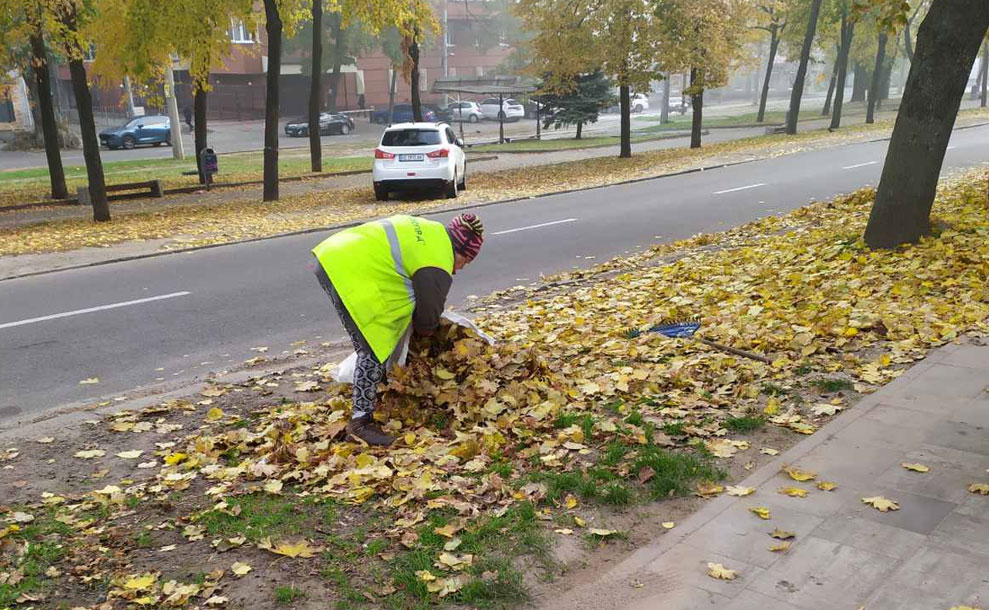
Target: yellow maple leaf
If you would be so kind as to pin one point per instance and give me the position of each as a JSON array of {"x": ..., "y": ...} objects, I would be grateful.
[
  {"x": 782, "y": 534},
  {"x": 130, "y": 455},
  {"x": 301, "y": 548},
  {"x": 579, "y": 522},
  {"x": 214, "y": 414},
  {"x": 718, "y": 571},
  {"x": 425, "y": 575},
  {"x": 273, "y": 486},
  {"x": 240, "y": 569},
  {"x": 447, "y": 530},
  {"x": 881, "y": 503},
  {"x": 668, "y": 524},
  {"x": 444, "y": 374},
  {"x": 735, "y": 490},
  {"x": 799, "y": 475},
  {"x": 826, "y": 485},
  {"x": 760, "y": 511},
  {"x": 915, "y": 467},
  {"x": 707, "y": 489},
  {"x": 88, "y": 454},
  {"x": 779, "y": 547},
  {"x": 90, "y": 381},
  {"x": 140, "y": 583},
  {"x": 979, "y": 488},
  {"x": 601, "y": 532},
  {"x": 793, "y": 492}
]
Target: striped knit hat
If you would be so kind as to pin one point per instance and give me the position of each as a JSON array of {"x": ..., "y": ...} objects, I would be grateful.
[{"x": 467, "y": 234}]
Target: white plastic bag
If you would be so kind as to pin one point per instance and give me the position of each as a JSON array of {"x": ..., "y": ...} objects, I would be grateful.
[{"x": 344, "y": 372}]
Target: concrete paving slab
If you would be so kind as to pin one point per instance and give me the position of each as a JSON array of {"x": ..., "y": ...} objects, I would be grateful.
[
  {"x": 938, "y": 404},
  {"x": 687, "y": 598},
  {"x": 871, "y": 536},
  {"x": 850, "y": 464},
  {"x": 975, "y": 415},
  {"x": 896, "y": 415},
  {"x": 963, "y": 533},
  {"x": 917, "y": 513},
  {"x": 958, "y": 435},
  {"x": 752, "y": 600},
  {"x": 823, "y": 575},
  {"x": 739, "y": 534},
  {"x": 687, "y": 566},
  {"x": 950, "y": 473},
  {"x": 975, "y": 506},
  {"x": 972, "y": 356},
  {"x": 945, "y": 381},
  {"x": 931, "y": 579},
  {"x": 869, "y": 432}
]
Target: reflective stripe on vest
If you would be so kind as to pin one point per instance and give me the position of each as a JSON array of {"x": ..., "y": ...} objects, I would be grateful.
[{"x": 396, "y": 257}]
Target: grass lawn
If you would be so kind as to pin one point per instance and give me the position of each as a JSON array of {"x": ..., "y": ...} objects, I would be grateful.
[
  {"x": 29, "y": 185},
  {"x": 559, "y": 143}
]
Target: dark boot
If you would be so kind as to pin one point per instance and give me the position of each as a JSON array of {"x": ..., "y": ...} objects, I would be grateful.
[{"x": 366, "y": 430}]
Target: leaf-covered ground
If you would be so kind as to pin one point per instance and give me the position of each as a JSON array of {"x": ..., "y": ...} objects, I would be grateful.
[
  {"x": 247, "y": 495},
  {"x": 247, "y": 217}
]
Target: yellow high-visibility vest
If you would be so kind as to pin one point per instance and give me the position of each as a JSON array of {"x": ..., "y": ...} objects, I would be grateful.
[{"x": 371, "y": 267}]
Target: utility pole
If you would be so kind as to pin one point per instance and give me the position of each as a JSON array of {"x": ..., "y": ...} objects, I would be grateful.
[
  {"x": 446, "y": 49},
  {"x": 178, "y": 151}
]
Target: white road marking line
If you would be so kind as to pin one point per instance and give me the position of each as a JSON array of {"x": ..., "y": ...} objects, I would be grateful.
[
  {"x": 538, "y": 226},
  {"x": 860, "y": 165},
  {"x": 741, "y": 188},
  {"x": 77, "y": 312}
]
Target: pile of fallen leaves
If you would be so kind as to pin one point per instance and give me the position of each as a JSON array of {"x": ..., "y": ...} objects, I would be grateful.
[{"x": 801, "y": 289}]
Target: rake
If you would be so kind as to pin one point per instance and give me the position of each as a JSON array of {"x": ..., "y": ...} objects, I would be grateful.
[{"x": 685, "y": 329}]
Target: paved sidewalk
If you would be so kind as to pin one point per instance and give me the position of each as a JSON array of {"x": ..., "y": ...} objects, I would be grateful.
[{"x": 931, "y": 554}]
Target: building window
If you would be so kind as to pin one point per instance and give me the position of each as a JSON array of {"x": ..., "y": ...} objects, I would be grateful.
[{"x": 239, "y": 32}]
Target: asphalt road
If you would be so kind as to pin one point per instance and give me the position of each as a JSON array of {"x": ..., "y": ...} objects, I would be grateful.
[{"x": 204, "y": 310}]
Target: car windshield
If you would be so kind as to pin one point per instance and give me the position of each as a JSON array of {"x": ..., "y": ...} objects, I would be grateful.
[{"x": 411, "y": 137}]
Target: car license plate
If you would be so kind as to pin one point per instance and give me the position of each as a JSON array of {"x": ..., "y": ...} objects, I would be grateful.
[{"x": 411, "y": 157}]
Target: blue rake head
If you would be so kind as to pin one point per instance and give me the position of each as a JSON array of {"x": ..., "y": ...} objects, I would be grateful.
[{"x": 677, "y": 329}]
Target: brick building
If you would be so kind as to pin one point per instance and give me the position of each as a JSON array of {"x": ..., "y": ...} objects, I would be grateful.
[{"x": 238, "y": 87}]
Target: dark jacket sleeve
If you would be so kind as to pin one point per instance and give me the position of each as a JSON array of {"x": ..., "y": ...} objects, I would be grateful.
[{"x": 431, "y": 285}]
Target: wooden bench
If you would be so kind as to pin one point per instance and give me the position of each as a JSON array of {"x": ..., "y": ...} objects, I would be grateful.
[{"x": 154, "y": 186}]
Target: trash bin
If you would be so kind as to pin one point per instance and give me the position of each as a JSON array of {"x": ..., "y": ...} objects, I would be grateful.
[{"x": 208, "y": 161}]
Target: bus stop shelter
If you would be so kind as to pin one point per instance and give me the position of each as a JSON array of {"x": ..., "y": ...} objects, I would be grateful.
[{"x": 502, "y": 87}]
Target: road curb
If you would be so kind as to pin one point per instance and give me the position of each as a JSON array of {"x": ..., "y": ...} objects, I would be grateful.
[
  {"x": 531, "y": 151},
  {"x": 437, "y": 210}
]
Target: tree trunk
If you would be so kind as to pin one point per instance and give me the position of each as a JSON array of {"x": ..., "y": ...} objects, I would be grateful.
[
  {"x": 887, "y": 77},
  {"x": 273, "y": 26},
  {"x": 391, "y": 92},
  {"x": 48, "y": 123},
  {"x": 316, "y": 87},
  {"x": 664, "y": 113},
  {"x": 697, "y": 101},
  {"x": 199, "y": 104},
  {"x": 877, "y": 77},
  {"x": 129, "y": 96},
  {"x": 985, "y": 72},
  {"x": 624, "y": 94},
  {"x": 827, "y": 100},
  {"x": 580, "y": 129},
  {"x": 798, "y": 82},
  {"x": 339, "y": 46},
  {"x": 414, "y": 56},
  {"x": 947, "y": 43},
  {"x": 90, "y": 144},
  {"x": 859, "y": 85},
  {"x": 848, "y": 33},
  {"x": 774, "y": 43},
  {"x": 907, "y": 41}
]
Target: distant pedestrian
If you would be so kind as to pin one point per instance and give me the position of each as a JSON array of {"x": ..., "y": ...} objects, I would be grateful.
[{"x": 187, "y": 111}]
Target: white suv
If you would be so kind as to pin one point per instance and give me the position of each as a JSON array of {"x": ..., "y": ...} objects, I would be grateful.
[
  {"x": 509, "y": 110},
  {"x": 466, "y": 111},
  {"x": 414, "y": 156}
]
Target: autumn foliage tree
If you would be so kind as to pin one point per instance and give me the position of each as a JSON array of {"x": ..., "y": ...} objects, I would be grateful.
[
  {"x": 772, "y": 18},
  {"x": 948, "y": 41},
  {"x": 575, "y": 37},
  {"x": 25, "y": 51}
]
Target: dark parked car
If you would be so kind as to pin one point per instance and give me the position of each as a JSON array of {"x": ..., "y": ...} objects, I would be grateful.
[
  {"x": 329, "y": 123},
  {"x": 155, "y": 130},
  {"x": 402, "y": 113},
  {"x": 442, "y": 115}
]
